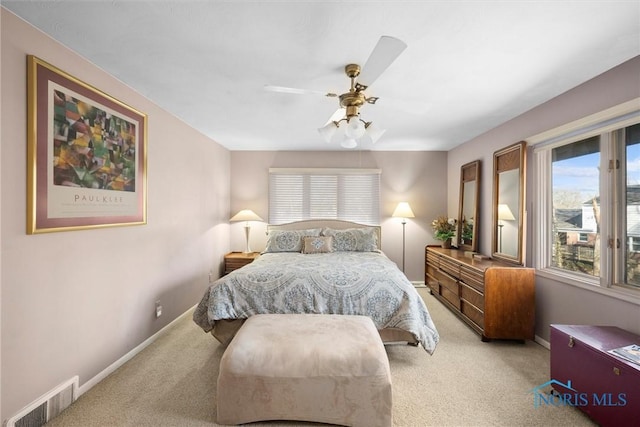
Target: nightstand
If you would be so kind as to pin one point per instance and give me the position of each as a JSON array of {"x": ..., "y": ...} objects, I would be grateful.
[{"x": 235, "y": 260}]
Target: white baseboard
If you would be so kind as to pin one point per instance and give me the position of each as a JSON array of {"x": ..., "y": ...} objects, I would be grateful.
[
  {"x": 124, "y": 359},
  {"x": 546, "y": 344},
  {"x": 419, "y": 284}
]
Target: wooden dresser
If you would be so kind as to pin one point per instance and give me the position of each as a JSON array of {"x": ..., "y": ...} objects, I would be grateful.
[{"x": 496, "y": 299}]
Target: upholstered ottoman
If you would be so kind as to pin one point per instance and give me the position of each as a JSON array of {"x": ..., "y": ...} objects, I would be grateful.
[{"x": 305, "y": 367}]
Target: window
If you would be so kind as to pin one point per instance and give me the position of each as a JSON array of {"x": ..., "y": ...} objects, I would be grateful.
[
  {"x": 588, "y": 209},
  {"x": 347, "y": 194},
  {"x": 631, "y": 213},
  {"x": 575, "y": 188}
]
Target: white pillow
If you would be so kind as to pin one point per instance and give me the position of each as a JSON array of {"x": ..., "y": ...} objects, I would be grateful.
[
  {"x": 288, "y": 240},
  {"x": 353, "y": 239}
]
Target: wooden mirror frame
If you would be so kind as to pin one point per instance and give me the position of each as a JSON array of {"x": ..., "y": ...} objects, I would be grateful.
[
  {"x": 469, "y": 172},
  {"x": 509, "y": 160}
]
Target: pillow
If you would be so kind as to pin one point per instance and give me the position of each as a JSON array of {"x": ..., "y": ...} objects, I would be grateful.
[
  {"x": 317, "y": 245},
  {"x": 288, "y": 240},
  {"x": 353, "y": 239}
]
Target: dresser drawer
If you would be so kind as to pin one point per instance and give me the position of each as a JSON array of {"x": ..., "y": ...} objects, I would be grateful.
[
  {"x": 472, "y": 296},
  {"x": 236, "y": 260},
  {"x": 472, "y": 277},
  {"x": 472, "y": 313},
  {"x": 433, "y": 259},
  {"x": 450, "y": 296},
  {"x": 450, "y": 266},
  {"x": 430, "y": 278},
  {"x": 447, "y": 282},
  {"x": 236, "y": 263},
  {"x": 432, "y": 271}
]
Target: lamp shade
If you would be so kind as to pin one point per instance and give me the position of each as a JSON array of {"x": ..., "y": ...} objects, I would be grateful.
[
  {"x": 339, "y": 133},
  {"x": 327, "y": 131},
  {"x": 349, "y": 143},
  {"x": 505, "y": 213},
  {"x": 355, "y": 128},
  {"x": 374, "y": 132},
  {"x": 246, "y": 215},
  {"x": 403, "y": 210}
]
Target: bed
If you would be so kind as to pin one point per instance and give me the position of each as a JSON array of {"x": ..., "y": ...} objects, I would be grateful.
[{"x": 323, "y": 267}]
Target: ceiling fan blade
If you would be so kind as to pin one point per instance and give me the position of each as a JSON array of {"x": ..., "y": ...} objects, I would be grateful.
[
  {"x": 385, "y": 52},
  {"x": 283, "y": 89}
]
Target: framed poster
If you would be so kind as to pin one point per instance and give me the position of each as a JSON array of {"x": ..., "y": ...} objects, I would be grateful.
[{"x": 87, "y": 155}]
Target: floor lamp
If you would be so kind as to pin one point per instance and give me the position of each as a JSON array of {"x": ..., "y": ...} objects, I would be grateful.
[
  {"x": 246, "y": 215},
  {"x": 504, "y": 214},
  {"x": 403, "y": 210}
]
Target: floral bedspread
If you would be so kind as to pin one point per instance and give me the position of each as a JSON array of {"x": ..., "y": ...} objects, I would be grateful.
[{"x": 360, "y": 283}]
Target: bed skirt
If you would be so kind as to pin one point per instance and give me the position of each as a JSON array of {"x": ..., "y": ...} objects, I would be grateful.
[{"x": 225, "y": 330}]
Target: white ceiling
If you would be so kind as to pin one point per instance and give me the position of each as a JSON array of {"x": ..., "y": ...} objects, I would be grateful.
[{"x": 469, "y": 65}]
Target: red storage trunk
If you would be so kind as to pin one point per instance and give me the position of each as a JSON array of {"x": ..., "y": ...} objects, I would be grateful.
[{"x": 604, "y": 386}]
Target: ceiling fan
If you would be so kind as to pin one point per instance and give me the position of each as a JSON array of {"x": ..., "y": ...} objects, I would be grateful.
[{"x": 345, "y": 125}]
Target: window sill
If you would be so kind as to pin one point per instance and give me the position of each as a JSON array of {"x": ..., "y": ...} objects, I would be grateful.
[{"x": 623, "y": 294}]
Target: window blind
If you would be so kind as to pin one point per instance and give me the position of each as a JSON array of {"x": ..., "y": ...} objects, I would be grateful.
[{"x": 310, "y": 193}]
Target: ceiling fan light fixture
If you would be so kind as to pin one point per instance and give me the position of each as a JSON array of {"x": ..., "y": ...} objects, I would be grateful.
[
  {"x": 354, "y": 130},
  {"x": 349, "y": 143},
  {"x": 327, "y": 131},
  {"x": 339, "y": 134},
  {"x": 374, "y": 132},
  {"x": 355, "y": 127}
]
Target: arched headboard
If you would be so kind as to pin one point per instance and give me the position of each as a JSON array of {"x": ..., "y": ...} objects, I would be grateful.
[{"x": 336, "y": 224}]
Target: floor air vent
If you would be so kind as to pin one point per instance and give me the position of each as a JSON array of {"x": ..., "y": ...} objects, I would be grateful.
[
  {"x": 46, "y": 407},
  {"x": 34, "y": 418}
]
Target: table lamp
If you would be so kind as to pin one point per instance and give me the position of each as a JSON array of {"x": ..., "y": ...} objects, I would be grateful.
[{"x": 246, "y": 215}]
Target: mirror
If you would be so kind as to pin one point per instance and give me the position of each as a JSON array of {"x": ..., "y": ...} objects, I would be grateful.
[
  {"x": 508, "y": 203},
  {"x": 468, "y": 210}
]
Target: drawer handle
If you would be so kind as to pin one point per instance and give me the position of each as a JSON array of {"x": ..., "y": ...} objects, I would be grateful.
[
  {"x": 616, "y": 370},
  {"x": 571, "y": 342}
]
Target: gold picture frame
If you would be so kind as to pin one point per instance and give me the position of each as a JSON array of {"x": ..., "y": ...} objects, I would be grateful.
[{"x": 86, "y": 152}]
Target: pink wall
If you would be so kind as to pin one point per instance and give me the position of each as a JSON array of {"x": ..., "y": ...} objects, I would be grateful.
[
  {"x": 73, "y": 303},
  {"x": 415, "y": 177},
  {"x": 555, "y": 302}
]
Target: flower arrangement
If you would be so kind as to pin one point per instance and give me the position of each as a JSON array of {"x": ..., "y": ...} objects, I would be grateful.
[
  {"x": 445, "y": 228},
  {"x": 467, "y": 229}
]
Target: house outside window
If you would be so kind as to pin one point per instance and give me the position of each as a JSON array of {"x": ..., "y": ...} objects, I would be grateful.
[
  {"x": 634, "y": 243},
  {"x": 588, "y": 215}
]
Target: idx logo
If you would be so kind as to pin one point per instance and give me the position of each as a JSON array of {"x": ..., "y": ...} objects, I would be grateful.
[
  {"x": 607, "y": 399},
  {"x": 564, "y": 399},
  {"x": 574, "y": 397},
  {"x": 582, "y": 399}
]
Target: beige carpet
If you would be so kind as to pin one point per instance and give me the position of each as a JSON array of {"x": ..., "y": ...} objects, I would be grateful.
[{"x": 465, "y": 383}]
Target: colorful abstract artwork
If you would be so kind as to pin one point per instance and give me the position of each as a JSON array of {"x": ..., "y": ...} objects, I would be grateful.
[
  {"x": 87, "y": 155},
  {"x": 92, "y": 148}
]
